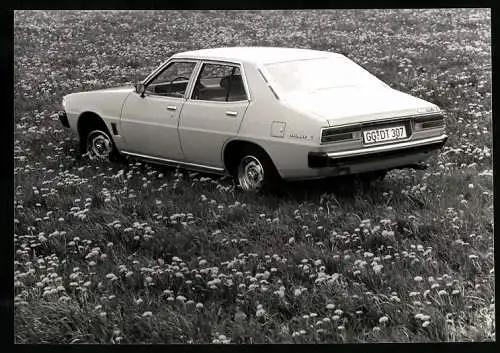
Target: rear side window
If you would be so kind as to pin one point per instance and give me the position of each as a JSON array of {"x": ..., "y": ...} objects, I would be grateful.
[{"x": 219, "y": 83}]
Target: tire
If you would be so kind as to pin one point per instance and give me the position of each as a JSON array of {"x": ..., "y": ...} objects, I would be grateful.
[
  {"x": 98, "y": 145},
  {"x": 256, "y": 172}
]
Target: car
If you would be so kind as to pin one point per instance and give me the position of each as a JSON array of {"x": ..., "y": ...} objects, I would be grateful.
[{"x": 261, "y": 115}]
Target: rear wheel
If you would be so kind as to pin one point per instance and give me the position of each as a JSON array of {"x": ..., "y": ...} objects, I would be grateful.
[{"x": 256, "y": 171}]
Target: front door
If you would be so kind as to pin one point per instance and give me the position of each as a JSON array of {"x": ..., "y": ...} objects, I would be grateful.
[
  {"x": 149, "y": 124},
  {"x": 213, "y": 113}
]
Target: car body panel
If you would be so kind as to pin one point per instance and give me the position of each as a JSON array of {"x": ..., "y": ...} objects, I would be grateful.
[
  {"x": 149, "y": 126},
  {"x": 205, "y": 126},
  {"x": 288, "y": 153},
  {"x": 107, "y": 103}
]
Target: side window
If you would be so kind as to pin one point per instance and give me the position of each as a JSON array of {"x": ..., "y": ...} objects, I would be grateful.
[
  {"x": 220, "y": 83},
  {"x": 173, "y": 80}
]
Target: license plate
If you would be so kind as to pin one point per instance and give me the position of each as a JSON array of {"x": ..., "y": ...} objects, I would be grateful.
[{"x": 384, "y": 134}]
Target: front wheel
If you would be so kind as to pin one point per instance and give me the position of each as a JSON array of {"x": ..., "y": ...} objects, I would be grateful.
[
  {"x": 100, "y": 146},
  {"x": 256, "y": 172}
]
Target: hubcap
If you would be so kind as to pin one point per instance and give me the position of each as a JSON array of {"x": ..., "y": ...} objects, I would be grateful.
[
  {"x": 99, "y": 145},
  {"x": 250, "y": 173}
]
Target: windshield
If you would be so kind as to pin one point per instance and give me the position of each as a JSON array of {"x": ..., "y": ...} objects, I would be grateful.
[{"x": 316, "y": 74}]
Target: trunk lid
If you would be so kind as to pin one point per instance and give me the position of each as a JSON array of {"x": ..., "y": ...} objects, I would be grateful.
[{"x": 350, "y": 105}]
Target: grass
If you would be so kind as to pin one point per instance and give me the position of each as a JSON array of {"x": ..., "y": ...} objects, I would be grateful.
[{"x": 138, "y": 253}]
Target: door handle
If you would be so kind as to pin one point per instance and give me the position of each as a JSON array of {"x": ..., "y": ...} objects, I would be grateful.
[
  {"x": 231, "y": 113},
  {"x": 171, "y": 107}
]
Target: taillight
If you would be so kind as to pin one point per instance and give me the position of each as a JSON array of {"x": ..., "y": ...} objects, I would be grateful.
[
  {"x": 429, "y": 122},
  {"x": 344, "y": 134}
]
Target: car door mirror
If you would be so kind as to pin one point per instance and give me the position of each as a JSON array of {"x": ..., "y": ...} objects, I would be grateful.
[{"x": 139, "y": 88}]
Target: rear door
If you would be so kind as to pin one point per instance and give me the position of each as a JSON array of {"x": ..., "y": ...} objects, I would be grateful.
[{"x": 213, "y": 113}]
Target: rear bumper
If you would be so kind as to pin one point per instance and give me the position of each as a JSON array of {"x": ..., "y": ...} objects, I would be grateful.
[
  {"x": 63, "y": 118},
  {"x": 375, "y": 154}
]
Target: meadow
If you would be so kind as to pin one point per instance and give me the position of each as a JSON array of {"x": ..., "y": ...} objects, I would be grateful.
[{"x": 132, "y": 252}]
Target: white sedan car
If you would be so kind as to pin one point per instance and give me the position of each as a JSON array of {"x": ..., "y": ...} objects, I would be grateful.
[{"x": 260, "y": 114}]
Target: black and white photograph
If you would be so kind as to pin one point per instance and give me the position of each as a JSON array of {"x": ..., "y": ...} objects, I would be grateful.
[{"x": 253, "y": 176}]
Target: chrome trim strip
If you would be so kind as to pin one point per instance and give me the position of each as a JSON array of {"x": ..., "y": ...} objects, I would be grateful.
[
  {"x": 275, "y": 89},
  {"x": 261, "y": 74},
  {"x": 174, "y": 162},
  {"x": 196, "y": 72},
  {"x": 216, "y": 102},
  {"x": 390, "y": 147},
  {"x": 192, "y": 80},
  {"x": 154, "y": 72},
  {"x": 162, "y": 66},
  {"x": 381, "y": 121}
]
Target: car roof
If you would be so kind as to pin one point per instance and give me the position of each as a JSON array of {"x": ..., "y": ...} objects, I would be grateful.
[{"x": 255, "y": 55}]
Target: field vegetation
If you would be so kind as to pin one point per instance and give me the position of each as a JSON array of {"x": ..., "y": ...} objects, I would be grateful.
[{"x": 131, "y": 252}]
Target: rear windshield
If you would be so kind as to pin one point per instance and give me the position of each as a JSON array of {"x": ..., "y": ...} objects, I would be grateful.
[{"x": 316, "y": 74}]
